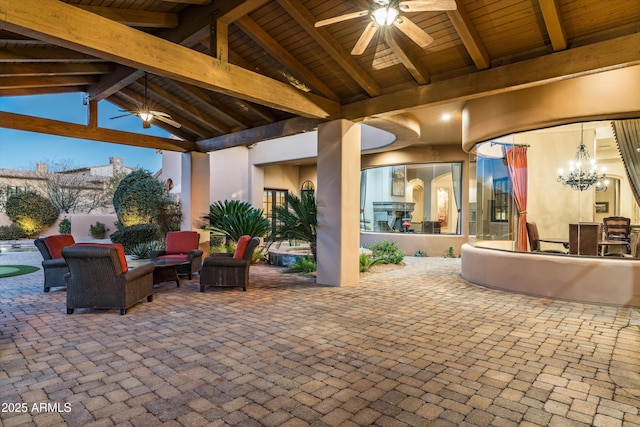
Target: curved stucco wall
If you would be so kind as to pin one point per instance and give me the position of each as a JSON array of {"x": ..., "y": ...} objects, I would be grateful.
[
  {"x": 607, "y": 95},
  {"x": 600, "y": 280}
]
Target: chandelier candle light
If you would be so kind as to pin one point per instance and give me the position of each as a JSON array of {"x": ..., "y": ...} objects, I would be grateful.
[{"x": 583, "y": 171}]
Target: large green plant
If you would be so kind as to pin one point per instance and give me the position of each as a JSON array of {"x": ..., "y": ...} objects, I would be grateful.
[
  {"x": 142, "y": 199},
  {"x": 31, "y": 212},
  {"x": 234, "y": 219},
  {"x": 298, "y": 219}
]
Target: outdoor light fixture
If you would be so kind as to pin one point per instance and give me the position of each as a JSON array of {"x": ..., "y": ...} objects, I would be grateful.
[{"x": 583, "y": 171}]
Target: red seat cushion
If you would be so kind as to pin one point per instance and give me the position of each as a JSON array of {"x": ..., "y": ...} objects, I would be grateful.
[
  {"x": 243, "y": 242},
  {"x": 181, "y": 242},
  {"x": 175, "y": 257},
  {"x": 119, "y": 250},
  {"x": 55, "y": 244}
]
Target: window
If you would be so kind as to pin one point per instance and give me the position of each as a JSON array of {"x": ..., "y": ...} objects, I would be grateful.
[
  {"x": 270, "y": 199},
  {"x": 421, "y": 198}
]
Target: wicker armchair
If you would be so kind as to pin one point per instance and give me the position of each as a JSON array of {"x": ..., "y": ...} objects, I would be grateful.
[
  {"x": 53, "y": 265},
  {"x": 99, "y": 278},
  {"x": 222, "y": 269},
  {"x": 182, "y": 246}
]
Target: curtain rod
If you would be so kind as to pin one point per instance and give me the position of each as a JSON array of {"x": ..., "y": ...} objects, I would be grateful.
[{"x": 512, "y": 145}]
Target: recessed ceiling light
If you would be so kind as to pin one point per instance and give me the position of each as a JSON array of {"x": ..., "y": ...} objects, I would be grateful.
[{"x": 445, "y": 117}]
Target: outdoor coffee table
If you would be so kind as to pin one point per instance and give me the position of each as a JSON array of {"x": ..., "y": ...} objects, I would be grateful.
[
  {"x": 164, "y": 271},
  {"x": 167, "y": 271}
]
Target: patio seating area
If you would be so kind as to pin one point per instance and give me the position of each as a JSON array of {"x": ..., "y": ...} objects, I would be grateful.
[{"x": 416, "y": 346}]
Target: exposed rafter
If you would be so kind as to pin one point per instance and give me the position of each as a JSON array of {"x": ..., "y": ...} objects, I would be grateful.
[
  {"x": 553, "y": 22},
  {"x": 73, "y": 130}
]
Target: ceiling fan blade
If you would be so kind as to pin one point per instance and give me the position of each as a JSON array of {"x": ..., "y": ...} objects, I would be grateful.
[
  {"x": 365, "y": 39},
  {"x": 341, "y": 18},
  {"x": 427, "y": 5},
  {"x": 414, "y": 32},
  {"x": 159, "y": 113},
  {"x": 168, "y": 121},
  {"x": 123, "y": 115}
]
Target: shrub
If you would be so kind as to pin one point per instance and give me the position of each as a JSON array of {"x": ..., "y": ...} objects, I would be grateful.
[
  {"x": 387, "y": 252},
  {"x": 143, "y": 250},
  {"x": 142, "y": 199},
  {"x": 131, "y": 236},
  {"x": 234, "y": 219},
  {"x": 31, "y": 212},
  {"x": 11, "y": 232},
  {"x": 65, "y": 226},
  {"x": 367, "y": 261},
  {"x": 420, "y": 253},
  {"x": 98, "y": 230},
  {"x": 302, "y": 265}
]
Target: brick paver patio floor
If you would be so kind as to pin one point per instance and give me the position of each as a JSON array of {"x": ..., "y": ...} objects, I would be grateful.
[{"x": 418, "y": 346}]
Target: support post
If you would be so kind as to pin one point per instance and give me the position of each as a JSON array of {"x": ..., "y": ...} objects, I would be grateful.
[{"x": 338, "y": 197}]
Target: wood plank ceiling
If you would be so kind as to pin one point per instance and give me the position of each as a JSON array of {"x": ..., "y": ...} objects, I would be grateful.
[{"x": 233, "y": 72}]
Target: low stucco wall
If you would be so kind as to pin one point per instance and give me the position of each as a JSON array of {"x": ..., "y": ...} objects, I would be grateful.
[
  {"x": 434, "y": 245},
  {"x": 586, "y": 279}
]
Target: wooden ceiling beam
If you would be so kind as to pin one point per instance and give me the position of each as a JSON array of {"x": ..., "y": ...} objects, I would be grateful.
[
  {"x": 306, "y": 20},
  {"x": 41, "y": 90},
  {"x": 73, "y": 130},
  {"x": 469, "y": 36},
  {"x": 45, "y": 81},
  {"x": 44, "y": 54},
  {"x": 188, "y": 1},
  {"x": 135, "y": 18},
  {"x": 220, "y": 108},
  {"x": 56, "y": 69},
  {"x": 112, "y": 83},
  {"x": 280, "y": 54},
  {"x": 566, "y": 64},
  {"x": 195, "y": 24},
  {"x": 101, "y": 37},
  {"x": 553, "y": 22},
  {"x": 412, "y": 64},
  {"x": 231, "y": 10},
  {"x": 279, "y": 129}
]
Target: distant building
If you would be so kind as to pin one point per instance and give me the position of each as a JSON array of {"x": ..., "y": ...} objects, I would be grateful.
[{"x": 15, "y": 181}]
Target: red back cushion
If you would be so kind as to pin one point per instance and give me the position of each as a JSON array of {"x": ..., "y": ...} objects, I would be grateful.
[
  {"x": 55, "y": 244},
  {"x": 243, "y": 242},
  {"x": 119, "y": 250},
  {"x": 181, "y": 242}
]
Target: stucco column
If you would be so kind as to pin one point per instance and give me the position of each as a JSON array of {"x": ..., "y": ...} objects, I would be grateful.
[
  {"x": 338, "y": 196},
  {"x": 194, "y": 194}
]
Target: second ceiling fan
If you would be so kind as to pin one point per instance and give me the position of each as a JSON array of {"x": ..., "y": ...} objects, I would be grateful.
[{"x": 386, "y": 13}]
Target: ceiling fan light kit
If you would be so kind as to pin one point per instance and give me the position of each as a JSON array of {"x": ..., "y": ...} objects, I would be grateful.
[
  {"x": 147, "y": 115},
  {"x": 386, "y": 13}
]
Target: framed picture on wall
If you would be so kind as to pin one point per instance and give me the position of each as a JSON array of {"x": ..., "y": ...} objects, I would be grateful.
[
  {"x": 397, "y": 180},
  {"x": 602, "y": 207}
]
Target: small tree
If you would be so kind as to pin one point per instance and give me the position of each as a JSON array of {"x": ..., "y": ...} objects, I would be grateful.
[
  {"x": 69, "y": 190},
  {"x": 142, "y": 199},
  {"x": 298, "y": 219},
  {"x": 31, "y": 212}
]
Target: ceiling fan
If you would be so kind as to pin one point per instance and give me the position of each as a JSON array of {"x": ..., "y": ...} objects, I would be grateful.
[
  {"x": 386, "y": 13},
  {"x": 146, "y": 114}
]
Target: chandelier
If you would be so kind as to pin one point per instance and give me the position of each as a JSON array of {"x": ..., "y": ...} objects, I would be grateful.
[{"x": 583, "y": 171}]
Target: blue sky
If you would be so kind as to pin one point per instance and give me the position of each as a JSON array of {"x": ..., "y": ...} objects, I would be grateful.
[{"x": 22, "y": 150}]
